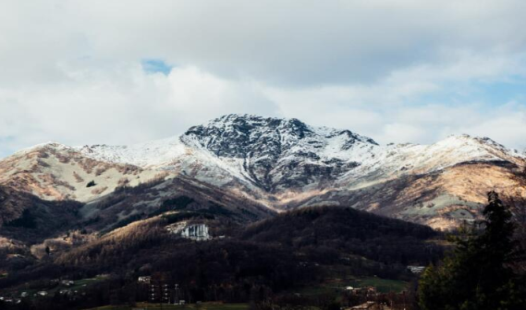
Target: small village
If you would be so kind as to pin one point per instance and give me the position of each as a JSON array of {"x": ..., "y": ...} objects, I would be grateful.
[
  {"x": 62, "y": 287},
  {"x": 160, "y": 291}
]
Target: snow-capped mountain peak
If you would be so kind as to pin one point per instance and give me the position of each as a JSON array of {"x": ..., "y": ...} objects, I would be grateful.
[
  {"x": 276, "y": 155},
  {"x": 238, "y": 135},
  {"x": 271, "y": 152}
]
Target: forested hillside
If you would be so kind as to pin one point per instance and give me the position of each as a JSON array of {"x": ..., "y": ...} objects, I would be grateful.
[{"x": 292, "y": 250}]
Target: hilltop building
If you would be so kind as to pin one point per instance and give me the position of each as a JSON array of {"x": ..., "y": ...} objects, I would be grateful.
[{"x": 197, "y": 232}]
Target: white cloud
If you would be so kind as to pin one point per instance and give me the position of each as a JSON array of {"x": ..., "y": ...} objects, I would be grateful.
[
  {"x": 394, "y": 70},
  {"x": 506, "y": 125},
  {"x": 122, "y": 105}
]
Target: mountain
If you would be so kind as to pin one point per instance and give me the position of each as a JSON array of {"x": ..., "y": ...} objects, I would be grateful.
[{"x": 284, "y": 164}]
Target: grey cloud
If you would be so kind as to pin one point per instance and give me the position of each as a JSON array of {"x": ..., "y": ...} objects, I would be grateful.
[{"x": 280, "y": 42}]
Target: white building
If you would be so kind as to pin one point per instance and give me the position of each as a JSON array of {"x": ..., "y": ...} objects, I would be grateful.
[
  {"x": 197, "y": 232},
  {"x": 416, "y": 269}
]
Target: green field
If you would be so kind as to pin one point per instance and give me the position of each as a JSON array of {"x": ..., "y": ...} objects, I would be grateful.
[
  {"x": 203, "y": 306},
  {"x": 382, "y": 285},
  {"x": 336, "y": 286},
  {"x": 78, "y": 285}
]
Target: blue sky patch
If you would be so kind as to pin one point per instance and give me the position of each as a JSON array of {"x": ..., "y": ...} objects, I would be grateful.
[{"x": 156, "y": 66}]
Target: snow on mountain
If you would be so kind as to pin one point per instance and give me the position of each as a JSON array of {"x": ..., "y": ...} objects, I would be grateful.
[
  {"x": 253, "y": 152},
  {"x": 280, "y": 155},
  {"x": 394, "y": 160},
  {"x": 275, "y": 153},
  {"x": 154, "y": 154}
]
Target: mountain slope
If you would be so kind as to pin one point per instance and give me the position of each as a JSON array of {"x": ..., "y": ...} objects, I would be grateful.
[
  {"x": 56, "y": 172},
  {"x": 179, "y": 194},
  {"x": 442, "y": 199}
]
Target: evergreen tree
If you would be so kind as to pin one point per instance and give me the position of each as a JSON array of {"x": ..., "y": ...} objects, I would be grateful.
[{"x": 476, "y": 275}]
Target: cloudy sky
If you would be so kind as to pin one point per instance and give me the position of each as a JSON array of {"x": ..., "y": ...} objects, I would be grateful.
[{"x": 119, "y": 72}]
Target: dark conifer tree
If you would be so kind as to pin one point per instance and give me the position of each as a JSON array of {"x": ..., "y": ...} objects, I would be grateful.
[{"x": 477, "y": 275}]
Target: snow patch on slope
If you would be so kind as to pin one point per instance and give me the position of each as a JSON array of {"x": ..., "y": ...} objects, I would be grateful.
[
  {"x": 394, "y": 160},
  {"x": 154, "y": 154}
]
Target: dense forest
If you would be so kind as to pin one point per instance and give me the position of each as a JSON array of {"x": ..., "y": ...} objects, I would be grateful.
[{"x": 347, "y": 230}]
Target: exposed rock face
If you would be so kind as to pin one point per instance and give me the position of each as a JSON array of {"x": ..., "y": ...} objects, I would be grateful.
[
  {"x": 276, "y": 154},
  {"x": 284, "y": 163}
]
